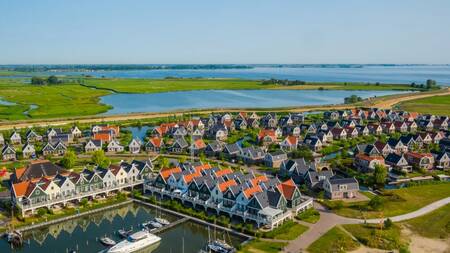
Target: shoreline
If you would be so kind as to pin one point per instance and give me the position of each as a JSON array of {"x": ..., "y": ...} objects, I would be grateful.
[{"x": 383, "y": 102}]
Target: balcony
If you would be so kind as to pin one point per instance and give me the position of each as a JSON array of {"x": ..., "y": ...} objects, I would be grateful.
[{"x": 25, "y": 205}]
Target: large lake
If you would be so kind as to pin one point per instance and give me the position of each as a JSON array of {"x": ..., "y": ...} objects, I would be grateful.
[
  {"x": 203, "y": 99},
  {"x": 366, "y": 73},
  {"x": 83, "y": 233}
]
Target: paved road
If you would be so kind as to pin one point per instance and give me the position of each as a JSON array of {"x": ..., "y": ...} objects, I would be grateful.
[{"x": 329, "y": 219}]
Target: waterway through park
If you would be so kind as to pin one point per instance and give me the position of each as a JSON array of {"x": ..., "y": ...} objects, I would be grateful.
[{"x": 83, "y": 233}]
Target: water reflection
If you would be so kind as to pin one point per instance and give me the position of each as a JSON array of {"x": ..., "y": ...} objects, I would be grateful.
[{"x": 83, "y": 233}]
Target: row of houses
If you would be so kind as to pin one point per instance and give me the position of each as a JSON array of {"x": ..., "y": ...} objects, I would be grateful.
[
  {"x": 44, "y": 184},
  {"x": 261, "y": 199}
]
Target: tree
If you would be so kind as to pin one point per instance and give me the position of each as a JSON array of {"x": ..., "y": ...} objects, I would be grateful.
[
  {"x": 352, "y": 99},
  {"x": 69, "y": 159},
  {"x": 379, "y": 176},
  {"x": 37, "y": 80},
  {"x": 430, "y": 83},
  {"x": 388, "y": 223},
  {"x": 52, "y": 80},
  {"x": 99, "y": 158},
  {"x": 164, "y": 163},
  {"x": 376, "y": 203}
]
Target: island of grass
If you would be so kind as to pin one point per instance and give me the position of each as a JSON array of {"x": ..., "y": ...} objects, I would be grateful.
[
  {"x": 393, "y": 202},
  {"x": 438, "y": 105},
  {"x": 335, "y": 240},
  {"x": 188, "y": 84}
]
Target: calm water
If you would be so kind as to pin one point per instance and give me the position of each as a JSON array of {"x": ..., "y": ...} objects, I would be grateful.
[
  {"x": 383, "y": 74},
  {"x": 171, "y": 101},
  {"x": 138, "y": 132},
  {"x": 83, "y": 233}
]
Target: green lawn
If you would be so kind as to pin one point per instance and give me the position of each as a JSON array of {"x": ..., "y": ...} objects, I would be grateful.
[
  {"x": 434, "y": 225},
  {"x": 288, "y": 231},
  {"x": 311, "y": 215},
  {"x": 335, "y": 240},
  {"x": 372, "y": 236},
  {"x": 439, "y": 105},
  {"x": 396, "y": 202},
  {"x": 258, "y": 246}
]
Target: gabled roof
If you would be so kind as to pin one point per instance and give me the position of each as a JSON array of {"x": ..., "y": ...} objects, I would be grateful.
[
  {"x": 225, "y": 185},
  {"x": 20, "y": 188},
  {"x": 287, "y": 188},
  {"x": 38, "y": 169},
  {"x": 255, "y": 181},
  {"x": 249, "y": 192},
  {"x": 165, "y": 173},
  {"x": 223, "y": 172}
]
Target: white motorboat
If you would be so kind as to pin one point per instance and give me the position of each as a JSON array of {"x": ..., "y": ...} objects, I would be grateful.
[
  {"x": 107, "y": 241},
  {"x": 162, "y": 221},
  {"x": 155, "y": 224},
  {"x": 135, "y": 242}
]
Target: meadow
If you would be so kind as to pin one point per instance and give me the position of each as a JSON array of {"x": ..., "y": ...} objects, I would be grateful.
[
  {"x": 395, "y": 202},
  {"x": 51, "y": 101},
  {"x": 439, "y": 105},
  {"x": 167, "y": 85}
]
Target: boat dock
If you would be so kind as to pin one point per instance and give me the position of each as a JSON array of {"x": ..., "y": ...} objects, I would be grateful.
[{"x": 171, "y": 225}]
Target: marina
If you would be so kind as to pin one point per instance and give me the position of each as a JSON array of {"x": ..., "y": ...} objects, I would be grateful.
[{"x": 83, "y": 234}]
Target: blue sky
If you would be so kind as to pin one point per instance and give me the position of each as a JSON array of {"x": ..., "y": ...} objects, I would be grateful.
[{"x": 228, "y": 31}]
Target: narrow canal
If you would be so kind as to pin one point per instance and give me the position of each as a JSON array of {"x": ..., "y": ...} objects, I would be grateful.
[{"x": 83, "y": 233}]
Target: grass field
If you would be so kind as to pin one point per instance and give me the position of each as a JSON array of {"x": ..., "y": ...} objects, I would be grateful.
[
  {"x": 374, "y": 237},
  {"x": 311, "y": 215},
  {"x": 258, "y": 246},
  {"x": 335, "y": 240},
  {"x": 288, "y": 231},
  {"x": 434, "y": 225},
  {"x": 51, "y": 101},
  {"x": 439, "y": 105},
  {"x": 397, "y": 202},
  {"x": 166, "y": 85}
]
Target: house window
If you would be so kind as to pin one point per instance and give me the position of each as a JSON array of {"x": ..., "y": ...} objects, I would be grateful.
[{"x": 342, "y": 187}]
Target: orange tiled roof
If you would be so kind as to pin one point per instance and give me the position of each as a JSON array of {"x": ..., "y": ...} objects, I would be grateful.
[
  {"x": 102, "y": 137},
  {"x": 225, "y": 185},
  {"x": 266, "y": 132},
  {"x": 200, "y": 143},
  {"x": 21, "y": 188},
  {"x": 287, "y": 188},
  {"x": 418, "y": 155},
  {"x": 156, "y": 141},
  {"x": 249, "y": 192},
  {"x": 202, "y": 167},
  {"x": 224, "y": 172},
  {"x": 255, "y": 181},
  {"x": 188, "y": 178},
  {"x": 19, "y": 172},
  {"x": 165, "y": 173},
  {"x": 292, "y": 139}
]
